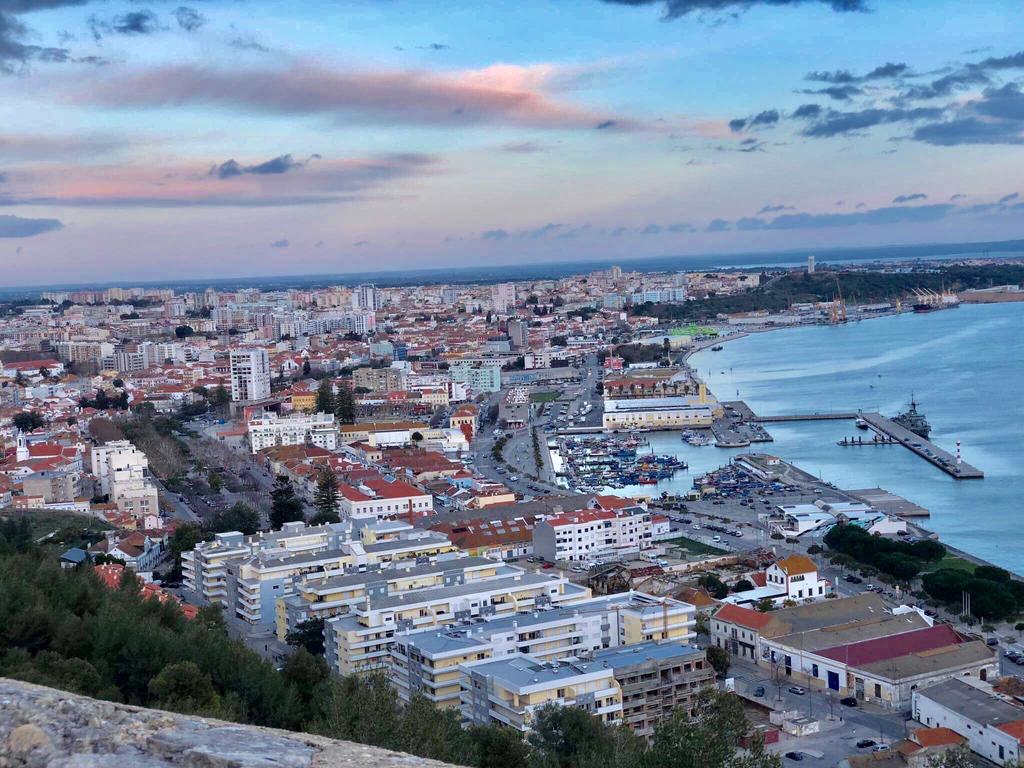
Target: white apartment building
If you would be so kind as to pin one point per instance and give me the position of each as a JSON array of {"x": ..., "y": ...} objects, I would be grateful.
[
  {"x": 481, "y": 377},
  {"x": 365, "y": 297},
  {"x": 250, "y": 374},
  {"x": 426, "y": 662},
  {"x": 593, "y": 534},
  {"x": 122, "y": 471},
  {"x": 380, "y": 498},
  {"x": 503, "y": 297},
  {"x": 360, "y": 641},
  {"x": 992, "y": 724},
  {"x": 270, "y": 430}
]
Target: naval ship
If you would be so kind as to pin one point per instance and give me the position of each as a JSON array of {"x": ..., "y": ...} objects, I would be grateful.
[{"x": 914, "y": 420}]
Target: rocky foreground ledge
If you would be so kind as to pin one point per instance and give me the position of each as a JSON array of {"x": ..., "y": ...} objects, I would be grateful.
[{"x": 46, "y": 728}]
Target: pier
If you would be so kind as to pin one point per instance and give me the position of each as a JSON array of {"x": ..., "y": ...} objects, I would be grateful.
[
  {"x": 926, "y": 449},
  {"x": 818, "y": 416}
]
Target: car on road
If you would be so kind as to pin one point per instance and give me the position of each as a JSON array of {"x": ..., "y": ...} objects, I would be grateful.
[
  {"x": 865, "y": 743},
  {"x": 795, "y": 756},
  {"x": 880, "y": 748},
  {"x": 848, "y": 701},
  {"x": 547, "y": 566},
  {"x": 797, "y": 690}
]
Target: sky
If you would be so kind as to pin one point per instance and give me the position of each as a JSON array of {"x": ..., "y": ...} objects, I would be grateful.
[{"x": 153, "y": 139}]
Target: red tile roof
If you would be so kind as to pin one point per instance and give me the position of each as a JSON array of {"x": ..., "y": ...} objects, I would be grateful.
[
  {"x": 936, "y": 737},
  {"x": 744, "y": 617},
  {"x": 893, "y": 646},
  {"x": 1014, "y": 728}
]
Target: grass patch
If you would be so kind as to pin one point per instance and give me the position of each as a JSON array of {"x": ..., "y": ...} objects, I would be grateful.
[
  {"x": 951, "y": 562},
  {"x": 545, "y": 397},
  {"x": 695, "y": 547},
  {"x": 69, "y": 529}
]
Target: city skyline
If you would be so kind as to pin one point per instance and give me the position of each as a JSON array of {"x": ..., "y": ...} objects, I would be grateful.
[{"x": 226, "y": 138}]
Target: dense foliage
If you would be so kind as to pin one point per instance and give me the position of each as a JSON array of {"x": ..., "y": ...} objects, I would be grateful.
[
  {"x": 798, "y": 287},
  {"x": 66, "y": 629},
  {"x": 900, "y": 559},
  {"x": 994, "y": 595}
]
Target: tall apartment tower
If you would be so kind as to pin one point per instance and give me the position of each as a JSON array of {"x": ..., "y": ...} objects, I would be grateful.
[
  {"x": 250, "y": 374},
  {"x": 810, "y": 265},
  {"x": 364, "y": 297},
  {"x": 503, "y": 297},
  {"x": 519, "y": 333}
]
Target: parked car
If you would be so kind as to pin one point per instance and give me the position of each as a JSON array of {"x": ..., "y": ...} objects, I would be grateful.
[
  {"x": 880, "y": 748},
  {"x": 848, "y": 701},
  {"x": 797, "y": 690},
  {"x": 795, "y": 756},
  {"x": 992, "y": 642},
  {"x": 865, "y": 743},
  {"x": 759, "y": 691}
]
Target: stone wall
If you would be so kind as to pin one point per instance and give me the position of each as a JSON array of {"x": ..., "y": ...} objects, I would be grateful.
[{"x": 46, "y": 728}]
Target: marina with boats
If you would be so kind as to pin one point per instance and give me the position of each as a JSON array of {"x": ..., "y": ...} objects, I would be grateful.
[{"x": 593, "y": 463}]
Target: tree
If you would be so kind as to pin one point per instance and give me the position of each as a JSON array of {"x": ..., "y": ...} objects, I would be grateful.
[
  {"x": 184, "y": 331},
  {"x": 743, "y": 585},
  {"x": 238, "y": 517},
  {"x": 26, "y": 421},
  {"x": 285, "y": 506},
  {"x": 714, "y": 585},
  {"x": 221, "y": 397},
  {"x": 568, "y": 737},
  {"x": 498, "y": 747},
  {"x": 325, "y": 397},
  {"x": 308, "y": 634},
  {"x": 326, "y": 497},
  {"x": 719, "y": 659},
  {"x": 306, "y": 368},
  {"x": 213, "y": 479},
  {"x": 183, "y": 687},
  {"x": 345, "y": 404},
  {"x": 958, "y": 757},
  {"x": 44, "y": 372}
]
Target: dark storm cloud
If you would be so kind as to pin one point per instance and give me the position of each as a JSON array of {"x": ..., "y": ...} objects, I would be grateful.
[
  {"x": 910, "y": 198},
  {"x": 142, "y": 22},
  {"x": 15, "y": 226},
  {"x": 674, "y": 9}
]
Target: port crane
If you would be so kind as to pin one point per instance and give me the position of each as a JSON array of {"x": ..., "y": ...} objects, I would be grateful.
[{"x": 837, "y": 312}]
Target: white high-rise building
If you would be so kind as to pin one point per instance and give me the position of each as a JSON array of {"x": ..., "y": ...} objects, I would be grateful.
[
  {"x": 365, "y": 297},
  {"x": 810, "y": 265},
  {"x": 250, "y": 374},
  {"x": 503, "y": 297}
]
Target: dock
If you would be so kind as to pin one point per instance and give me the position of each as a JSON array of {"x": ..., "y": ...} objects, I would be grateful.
[
  {"x": 926, "y": 449},
  {"x": 816, "y": 416}
]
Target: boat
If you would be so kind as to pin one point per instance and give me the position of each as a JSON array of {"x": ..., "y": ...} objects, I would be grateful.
[
  {"x": 717, "y": 348},
  {"x": 914, "y": 420},
  {"x": 861, "y": 424},
  {"x": 924, "y": 307}
]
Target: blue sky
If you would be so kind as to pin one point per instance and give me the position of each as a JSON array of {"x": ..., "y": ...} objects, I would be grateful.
[{"x": 141, "y": 140}]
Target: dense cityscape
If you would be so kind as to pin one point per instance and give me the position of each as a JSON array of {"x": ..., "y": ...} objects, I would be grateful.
[{"x": 442, "y": 501}]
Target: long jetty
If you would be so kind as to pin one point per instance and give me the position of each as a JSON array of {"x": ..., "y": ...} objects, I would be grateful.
[
  {"x": 926, "y": 449},
  {"x": 820, "y": 416}
]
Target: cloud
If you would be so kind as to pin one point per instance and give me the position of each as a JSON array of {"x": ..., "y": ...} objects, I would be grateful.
[
  {"x": 277, "y": 165},
  {"x": 910, "y": 198},
  {"x": 522, "y": 147},
  {"x": 872, "y": 217},
  {"x": 835, "y": 123},
  {"x": 189, "y": 19},
  {"x": 768, "y": 117},
  {"x": 280, "y": 244},
  {"x": 188, "y": 186},
  {"x": 142, "y": 22},
  {"x": 681, "y": 226},
  {"x": 536, "y": 233},
  {"x": 775, "y": 208},
  {"x": 360, "y": 243},
  {"x": 674, "y": 9},
  {"x": 807, "y": 111},
  {"x": 957, "y": 196},
  {"x": 885, "y": 71},
  {"x": 1008, "y": 198},
  {"x": 15, "y": 226},
  {"x": 717, "y": 225},
  {"x": 495, "y": 234},
  {"x": 651, "y": 229},
  {"x": 248, "y": 44},
  {"x": 38, "y": 147},
  {"x": 837, "y": 92},
  {"x": 499, "y": 94},
  {"x": 995, "y": 118}
]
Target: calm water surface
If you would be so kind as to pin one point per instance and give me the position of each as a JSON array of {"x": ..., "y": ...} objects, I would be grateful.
[{"x": 964, "y": 366}]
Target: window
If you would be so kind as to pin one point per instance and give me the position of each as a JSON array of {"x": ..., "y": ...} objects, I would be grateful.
[{"x": 814, "y": 670}]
